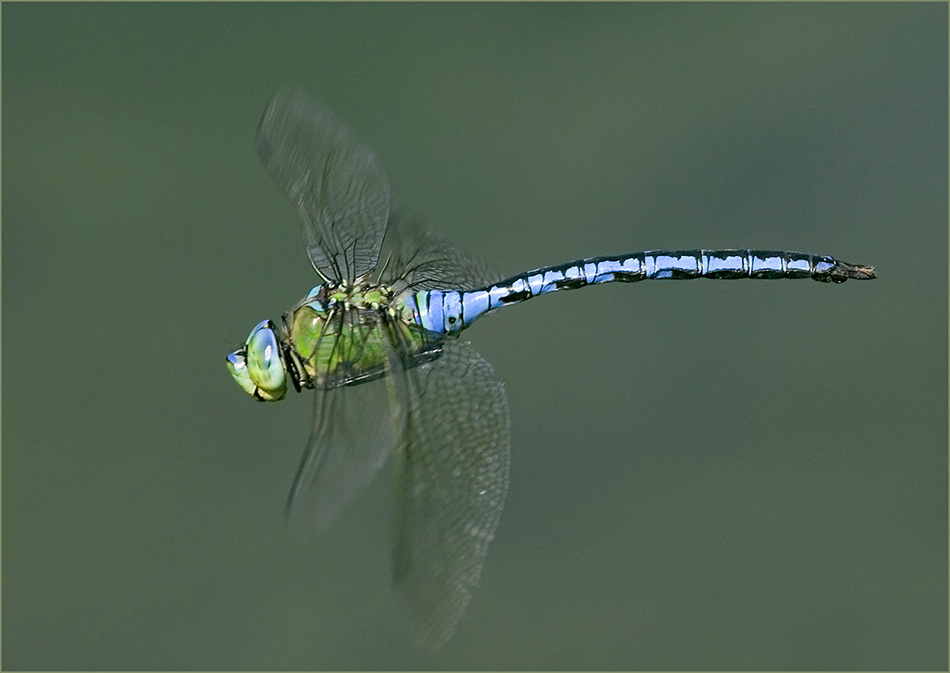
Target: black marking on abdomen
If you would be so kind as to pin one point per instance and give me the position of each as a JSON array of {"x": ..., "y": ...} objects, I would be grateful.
[
  {"x": 570, "y": 283},
  {"x": 514, "y": 297},
  {"x": 681, "y": 274},
  {"x": 628, "y": 276}
]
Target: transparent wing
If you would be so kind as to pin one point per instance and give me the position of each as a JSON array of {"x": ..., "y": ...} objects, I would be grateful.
[
  {"x": 418, "y": 259},
  {"x": 337, "y": 183},
  {"x": 453, "y": 476},
  {"x": 355, "y": 428}
]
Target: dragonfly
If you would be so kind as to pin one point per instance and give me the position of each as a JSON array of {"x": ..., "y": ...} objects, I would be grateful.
[{"x": 377, "y": 341}]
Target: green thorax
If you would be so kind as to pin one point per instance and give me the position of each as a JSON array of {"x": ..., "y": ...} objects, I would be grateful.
[{"x": 349, "y": 333}]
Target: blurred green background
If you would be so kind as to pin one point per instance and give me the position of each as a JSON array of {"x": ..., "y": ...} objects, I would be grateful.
[{"x": 704, "y": 475}]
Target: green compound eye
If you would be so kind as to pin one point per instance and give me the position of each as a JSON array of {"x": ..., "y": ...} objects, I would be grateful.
[
  {"x": 264, "y": 365},
  {"x": 237, "y": 365}
]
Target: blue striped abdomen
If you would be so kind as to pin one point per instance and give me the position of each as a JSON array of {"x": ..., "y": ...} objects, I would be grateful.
[{"x": 450, "y": 311}]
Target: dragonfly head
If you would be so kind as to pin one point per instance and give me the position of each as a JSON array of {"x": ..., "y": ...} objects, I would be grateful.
[{"x": 259, "y": 367}]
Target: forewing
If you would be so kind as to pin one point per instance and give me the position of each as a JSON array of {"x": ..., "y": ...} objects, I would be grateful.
[
  {"x": 355, "y": 428},
  {"x": 337, "y": 183},
  {"x": 420, "y": 259},
  {"x": 453, "y": 476}
]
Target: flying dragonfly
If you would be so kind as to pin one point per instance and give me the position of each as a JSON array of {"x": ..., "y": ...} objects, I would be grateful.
[{"x": 377, "y": 343}]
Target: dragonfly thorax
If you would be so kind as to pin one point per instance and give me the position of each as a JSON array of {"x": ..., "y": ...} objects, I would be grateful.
[
  {"x": 340, "y": 334},
  {"x": 360, "y": 295},
  {"x": 349, "y": 333}
]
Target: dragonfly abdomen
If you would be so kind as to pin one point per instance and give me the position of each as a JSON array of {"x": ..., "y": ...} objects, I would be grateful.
[{"x": 450, "y": 311}]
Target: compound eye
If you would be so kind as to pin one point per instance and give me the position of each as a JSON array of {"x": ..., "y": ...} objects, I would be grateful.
[
  {"x": 265, "y": 367},
  {"x": 237, "y": 365}
]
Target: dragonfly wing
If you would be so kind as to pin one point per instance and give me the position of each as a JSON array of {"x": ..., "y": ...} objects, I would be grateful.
[
  {"x": 420, "y": 259},
  {"x": 453, "y": 477},
  {"x": 337, "y": 183},
  {"x": 355, "y": 428}
]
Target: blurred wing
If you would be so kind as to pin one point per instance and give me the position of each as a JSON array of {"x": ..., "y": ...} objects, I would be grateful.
[
  {"x": 421, "y": 260},
  {"x": 451, "y": 487},
  {"x": 336, "y": 183},
  {"x": 355, "y": 428}
]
